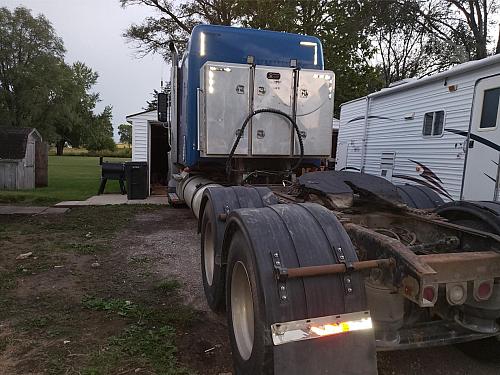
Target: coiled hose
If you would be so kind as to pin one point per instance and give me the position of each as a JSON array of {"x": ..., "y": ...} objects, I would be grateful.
[{"x": 242, "y": 129}]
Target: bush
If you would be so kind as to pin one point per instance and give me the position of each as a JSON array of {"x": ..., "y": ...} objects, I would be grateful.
[{"x": 117, "y": 153}]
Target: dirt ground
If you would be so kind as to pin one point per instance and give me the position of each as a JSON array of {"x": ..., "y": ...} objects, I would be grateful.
[{"x": 118, "y": 291}]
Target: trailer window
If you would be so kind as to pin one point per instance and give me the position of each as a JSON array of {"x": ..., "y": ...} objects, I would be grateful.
[
  {"x": 489, "y": 113},
  {"x": 433, "y": 124}
]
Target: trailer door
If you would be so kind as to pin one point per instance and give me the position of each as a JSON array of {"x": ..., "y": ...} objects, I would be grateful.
[{"x": 483, "y": 156}]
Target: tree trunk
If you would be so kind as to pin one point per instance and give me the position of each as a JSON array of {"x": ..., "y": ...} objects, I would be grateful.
[
  {"x": 481, "y": 51},
  {"x": 497, "y": 50},
  {"x": 60, "y": 148}
]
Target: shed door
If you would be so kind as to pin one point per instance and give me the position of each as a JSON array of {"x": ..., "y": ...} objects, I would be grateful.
[{"x": 483, "y": 156}]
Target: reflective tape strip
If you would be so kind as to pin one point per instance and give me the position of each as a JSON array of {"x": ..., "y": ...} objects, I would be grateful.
[{"x": 308, "y": 329}]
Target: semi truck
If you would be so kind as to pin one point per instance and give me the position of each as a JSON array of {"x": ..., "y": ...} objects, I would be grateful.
[{"x": 316, "y": 270}]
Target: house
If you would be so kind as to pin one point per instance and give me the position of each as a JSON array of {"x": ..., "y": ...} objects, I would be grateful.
[
  {"x": 150, "y": 143},
  {"x": 23, "y": 159}
]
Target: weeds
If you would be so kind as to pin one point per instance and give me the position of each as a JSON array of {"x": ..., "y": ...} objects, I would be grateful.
[
  {"x": 151, "y": 347},
  {"x": 37, "y": 323},
  {"x": 119, "y": 306},
  {"x": 150, "y": 341},
  {"x": 85, "y": 248},
  {"x": 169, "y": 287},
  {"x": 7, "y": 281}
]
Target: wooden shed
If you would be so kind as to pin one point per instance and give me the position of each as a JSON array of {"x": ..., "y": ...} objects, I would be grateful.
[{"x": 23, "y": 159}]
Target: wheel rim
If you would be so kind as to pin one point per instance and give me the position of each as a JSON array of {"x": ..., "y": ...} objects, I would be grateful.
[
  {"x": 242, "y": 310},
  {"x": 209, "y": 254}
]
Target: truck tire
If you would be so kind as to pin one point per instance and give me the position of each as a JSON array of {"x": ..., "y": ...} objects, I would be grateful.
[
  {"x": 252, "y": 355},
  {"x": 219, "y": 201},
  {"x": 212, "y": 271},
  {"x": 421, "y": 197},
  {"x": 302, "y": 235}
]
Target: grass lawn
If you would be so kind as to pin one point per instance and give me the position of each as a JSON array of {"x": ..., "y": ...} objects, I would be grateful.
[
  {"x": 70, "y": 178},
  {"x": 74, "y": 307}
]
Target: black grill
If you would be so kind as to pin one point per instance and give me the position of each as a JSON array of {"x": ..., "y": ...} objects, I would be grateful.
[{"x": 112, "y": 171}]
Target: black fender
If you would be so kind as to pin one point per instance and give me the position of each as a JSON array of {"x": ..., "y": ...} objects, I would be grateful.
[
  {"x": 485, "y": 215},
  {"x": 305, "y": 234},
  {"x": 417, "y": 196},
  {"x": 226, "y": 199},
  {"x": 216, "y": 204}
]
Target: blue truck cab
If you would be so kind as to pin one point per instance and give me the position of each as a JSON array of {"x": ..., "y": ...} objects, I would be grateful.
[{"x": 232, "y": 45}]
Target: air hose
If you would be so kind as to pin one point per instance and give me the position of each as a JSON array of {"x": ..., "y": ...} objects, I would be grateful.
[{"x": 242, "y": 130}]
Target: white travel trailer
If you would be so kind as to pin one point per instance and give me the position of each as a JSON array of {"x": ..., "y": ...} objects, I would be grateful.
[{"x": 440, "y": 132}]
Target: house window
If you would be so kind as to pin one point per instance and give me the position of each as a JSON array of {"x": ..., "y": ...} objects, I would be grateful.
[
  {"x": 489, "y": 113},
  {"x": 433, "y": 124}
]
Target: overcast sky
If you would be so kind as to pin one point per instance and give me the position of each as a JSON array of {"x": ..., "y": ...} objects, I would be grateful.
[{"x": 92, "y": 32}]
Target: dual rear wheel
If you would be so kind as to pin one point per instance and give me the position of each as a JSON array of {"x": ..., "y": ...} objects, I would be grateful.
[{"x": 303, "y": 235}]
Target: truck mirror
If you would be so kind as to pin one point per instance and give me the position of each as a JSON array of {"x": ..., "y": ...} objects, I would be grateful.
[{"x": 162, "y": 107}]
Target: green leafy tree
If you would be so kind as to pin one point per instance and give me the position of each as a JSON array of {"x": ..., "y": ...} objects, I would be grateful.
[
  {"x": 31, "y": 56},
  {"x": 37, "y": 88},
  {"x": 466, "y": 23},
  {"x": 70, "y": 108},
  {"x": 99, "y": 132},
  {"x": 175, "y": 22},
  {"x": 125, "y": 133}
]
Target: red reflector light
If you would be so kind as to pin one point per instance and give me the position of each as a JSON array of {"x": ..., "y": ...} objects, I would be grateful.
[
  {"x": 429, "y": 293},
  {"x": 484, "y": 290}
]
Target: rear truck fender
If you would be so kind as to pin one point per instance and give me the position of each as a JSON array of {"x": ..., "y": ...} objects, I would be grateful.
[
  {"x": 216, "y": 204},
  {"x": 481, "y": 215},
  {"x": 296, "y": 320},
  {"x": 420, "y": 197},
  {"x": 225, "y": 199}
]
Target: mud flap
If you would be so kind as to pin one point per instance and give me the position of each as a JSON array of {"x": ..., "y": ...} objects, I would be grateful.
[{"x": 352, "y": 353}]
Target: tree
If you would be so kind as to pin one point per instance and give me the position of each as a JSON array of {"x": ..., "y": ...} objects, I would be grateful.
[
  {"x": 99, "y": 133},
  {"x": 176, "y": 21},
  {"x": 37, "y": 88},
  {"x": 464, "y": 23},
  {"x": 406, "y": 48},
  {"x": 125, "y": 133},
  {"x": 71, "y": 106},
  {"x": 30, "y": 57}
]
